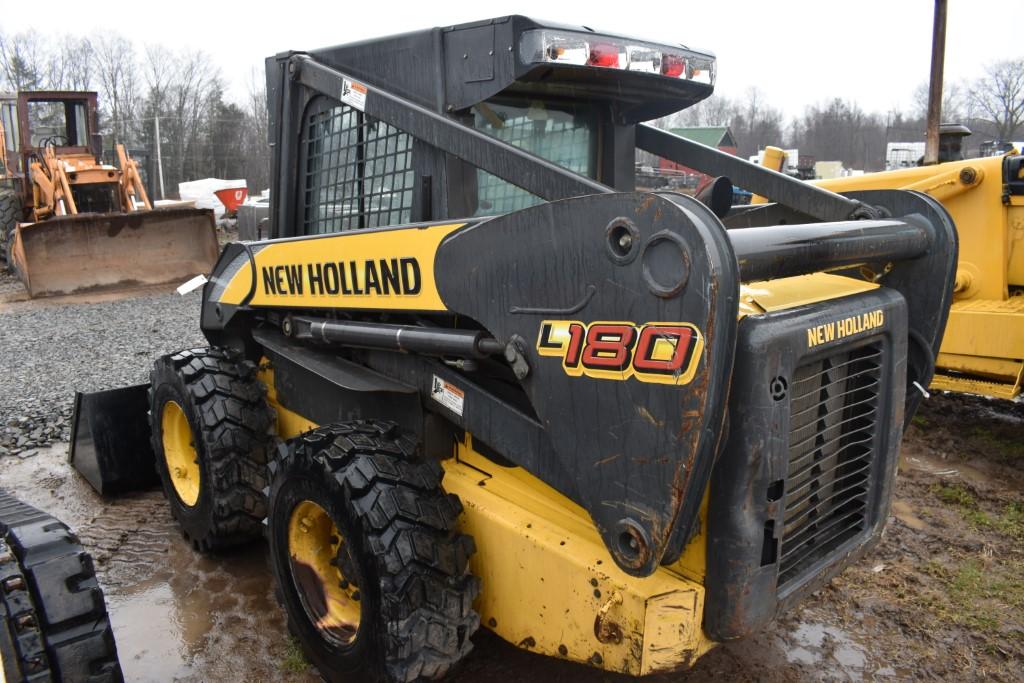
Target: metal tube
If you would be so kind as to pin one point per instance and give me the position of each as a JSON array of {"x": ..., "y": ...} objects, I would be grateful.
[
  {"x": 407, "y": 338},
  {"x": 814, "y": 201},
  {"x": 785, "y": 250},
  {"x": 931, "y": 149}
]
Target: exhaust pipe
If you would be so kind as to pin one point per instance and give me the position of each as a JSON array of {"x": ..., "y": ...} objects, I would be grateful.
[{"x": 717, "y": 196}]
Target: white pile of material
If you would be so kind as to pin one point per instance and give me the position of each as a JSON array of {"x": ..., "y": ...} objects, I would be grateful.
[
  {"x": 201, "y": 192},
  {"x": 262, "y": 198}
]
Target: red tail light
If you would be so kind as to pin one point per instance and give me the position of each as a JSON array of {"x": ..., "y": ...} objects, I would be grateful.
[
  {"x": 577, "y": 48},
  {"x": 604, "y": 54},
  {"x": 673, "y": 65}
]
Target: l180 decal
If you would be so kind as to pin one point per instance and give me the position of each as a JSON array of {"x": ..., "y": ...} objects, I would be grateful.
[{"x": 664, "y": 353}]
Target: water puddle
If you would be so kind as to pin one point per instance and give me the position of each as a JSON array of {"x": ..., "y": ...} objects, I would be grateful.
[
  {"x": 905, "y": 513},
  {"x": 947, "y": 469},
  {"x": 177, "y": 615}
]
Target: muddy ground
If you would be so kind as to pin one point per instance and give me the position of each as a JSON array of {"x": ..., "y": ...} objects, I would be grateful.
[{"x": 942, "y": 597}]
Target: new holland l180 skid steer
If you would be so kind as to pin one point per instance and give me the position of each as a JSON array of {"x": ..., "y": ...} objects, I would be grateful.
[{"x": 477, "y": 378}]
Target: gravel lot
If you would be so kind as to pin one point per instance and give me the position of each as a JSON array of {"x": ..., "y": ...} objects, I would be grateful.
[{"x": 53, "y": 349}]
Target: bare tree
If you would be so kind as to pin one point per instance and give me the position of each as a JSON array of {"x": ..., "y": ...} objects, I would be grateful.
[
  {"x": 998, "y": 97},
  {"x": 22, "y": 60},
  {"x": 756, "y": 124},
  {"x": 70, "y": 66},
  {"x": 841, "y": 130},
  {"x": 157, "y": 72},
  {"x": 954, "y": 102},
  {"x": 257, "y": 128},
  {"x": 714, "y": 111},
  {"x": 182, "y": 89},
  {"x": 116, "y": 69}
]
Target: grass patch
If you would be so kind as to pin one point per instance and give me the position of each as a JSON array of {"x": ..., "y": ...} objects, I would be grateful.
[
  {"x": 955, "y": 494},
  {"x": 1008, "y": 521},
  {"x": 294, "y": 661},
  {"x": 975, "y": 595},
  {"x": 1006, "y": 447},
  {"x": 920, "y": 420}
]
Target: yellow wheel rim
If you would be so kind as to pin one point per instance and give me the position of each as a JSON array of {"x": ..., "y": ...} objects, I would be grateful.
[
  {"x": 180, "y": 453},
  {"x": 318, "y": 556}
]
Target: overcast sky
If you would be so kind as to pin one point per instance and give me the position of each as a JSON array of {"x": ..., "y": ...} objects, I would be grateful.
[{"x": 798, "y": 52}]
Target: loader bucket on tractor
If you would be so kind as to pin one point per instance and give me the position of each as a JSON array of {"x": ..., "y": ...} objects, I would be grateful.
[
  {"x": 110, "y": 440},
  {"x": 88, "y": 252}
]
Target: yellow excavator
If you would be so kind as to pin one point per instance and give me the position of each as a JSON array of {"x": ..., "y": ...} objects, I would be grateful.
[{"x": 70, "y": 222}]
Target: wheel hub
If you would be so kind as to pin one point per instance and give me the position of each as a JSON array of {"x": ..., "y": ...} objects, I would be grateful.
[
  {"x": 322, "y": 572},
  {"x": 180, "y": 453}
]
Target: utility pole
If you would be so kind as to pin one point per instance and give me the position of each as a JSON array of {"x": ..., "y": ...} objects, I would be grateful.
[
  {"x": 931, "y": 147},
  {"x": 159, "y": 159}
]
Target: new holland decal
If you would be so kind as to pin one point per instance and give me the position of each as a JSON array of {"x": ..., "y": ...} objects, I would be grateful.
[
  {"x": 663, "y": 353},
  {"x": 382, "y": 269},
  {"x": 351, "y": 278},
  {"x": 846, "y": 327}
]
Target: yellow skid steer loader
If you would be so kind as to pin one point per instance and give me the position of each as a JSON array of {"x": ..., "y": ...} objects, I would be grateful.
[
  {"x": 476, "y": 379},
  {"x": 71, "y": 223}
]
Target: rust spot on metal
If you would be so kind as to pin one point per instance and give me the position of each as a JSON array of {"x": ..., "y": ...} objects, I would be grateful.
[
  {"x": 492, "y": 622},
  {"x": 607, "y": 631},
  {"x": 563, "y": 650},
  {"x": 527, "y": 643},
  {"x": 638, "y": 545},
  {"x": 645, "y": 203},
  {"x": 609, "y": 459}
]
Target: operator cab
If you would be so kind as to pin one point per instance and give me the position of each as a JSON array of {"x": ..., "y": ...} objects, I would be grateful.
[{"x": 569, "y": 95}]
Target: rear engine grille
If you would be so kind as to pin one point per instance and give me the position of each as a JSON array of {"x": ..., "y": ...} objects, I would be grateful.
[{"x": 833, "y": 413}]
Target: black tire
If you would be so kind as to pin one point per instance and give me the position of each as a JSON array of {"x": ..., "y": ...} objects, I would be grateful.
[
  {"x": 231, "y": 428},
  {"x": 53, "y": 620},
  {"x": 10, "y": 213},
  {"x": 404, "y": 554}
]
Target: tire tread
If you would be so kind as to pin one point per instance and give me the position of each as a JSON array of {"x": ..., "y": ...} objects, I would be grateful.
[
  {"x": 408, "y": 524},
  {"x": 54, "y": 610},
  {"x": 237, "y": 426}
]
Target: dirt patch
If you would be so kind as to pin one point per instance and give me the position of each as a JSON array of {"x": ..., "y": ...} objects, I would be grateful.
[{"x": 941, "y": 598}]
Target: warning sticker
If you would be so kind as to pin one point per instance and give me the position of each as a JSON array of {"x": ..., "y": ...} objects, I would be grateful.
[
  {"x": 448, "y": 395},
  {"x": 353, "y": 93}
]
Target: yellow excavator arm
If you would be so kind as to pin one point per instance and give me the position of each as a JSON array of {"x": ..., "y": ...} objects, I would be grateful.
[{"x": 133, "y": 192}]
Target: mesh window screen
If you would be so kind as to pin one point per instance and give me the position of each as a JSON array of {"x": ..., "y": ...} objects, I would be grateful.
[
  {"x": 565, "y": 137},
  {"x": 358, "y": 172}
]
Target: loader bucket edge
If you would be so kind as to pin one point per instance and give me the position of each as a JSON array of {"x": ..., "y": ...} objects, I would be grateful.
[
  {"x": 110, "y": 440},
  {"x": 89, "y": 252}
]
